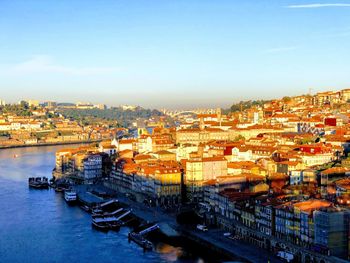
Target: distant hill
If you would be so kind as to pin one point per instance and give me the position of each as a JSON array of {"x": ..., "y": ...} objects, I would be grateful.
[
  {"x": 244, "y": 105},
  {"x": 124, "y": 117},
  {"x": 65, "y": 104}
]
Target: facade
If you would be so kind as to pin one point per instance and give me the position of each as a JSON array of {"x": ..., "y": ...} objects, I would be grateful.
[
  {"x": 84, "y": 163},
  {"x": 92, "y": 167},
  {"x": 200, "y": 170},
  {"x": 265, "y": 215},
  {"x": 197, "y": 136},
  {"x": 332, "y": 231},
  {"x": 157, "y": 182}
]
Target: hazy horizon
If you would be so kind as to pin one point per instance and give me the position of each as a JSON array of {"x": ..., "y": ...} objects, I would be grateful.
[{"x": 172, "y": 54}]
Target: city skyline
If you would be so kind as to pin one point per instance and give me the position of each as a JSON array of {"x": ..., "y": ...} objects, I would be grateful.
[{"x": 165, "y": 55}]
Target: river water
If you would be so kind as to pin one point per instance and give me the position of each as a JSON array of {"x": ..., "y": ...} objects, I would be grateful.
[{"x": 38, "y": 226}]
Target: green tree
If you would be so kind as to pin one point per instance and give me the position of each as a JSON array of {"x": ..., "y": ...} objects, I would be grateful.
[{"x": 239, "y": 138}]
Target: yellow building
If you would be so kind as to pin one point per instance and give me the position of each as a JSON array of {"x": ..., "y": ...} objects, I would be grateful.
[
  {"x": 201, "y": 170},
  {"x": 252, "y": 131},
  {"x": 165, "y": 155}
]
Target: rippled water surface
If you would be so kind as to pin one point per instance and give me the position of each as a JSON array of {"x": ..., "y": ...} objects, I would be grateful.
[{"x": 38, "y": 226}]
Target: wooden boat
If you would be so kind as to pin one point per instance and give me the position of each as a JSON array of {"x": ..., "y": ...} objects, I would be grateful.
[
  {"x": 59, "y": 189},
  {"x": 140, "y": 240},
  {"x": 86, "y": 208},
  {"x": 38, "y": 182},
  {"x": 114, "y": 226},
  {"x": 111, "y": 222},
  {"x": 138, "y": 235},
  {"x": 101, "y": 226}
]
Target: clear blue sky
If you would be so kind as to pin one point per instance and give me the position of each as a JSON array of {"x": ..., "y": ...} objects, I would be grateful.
[{"x": 172, "y": 53}]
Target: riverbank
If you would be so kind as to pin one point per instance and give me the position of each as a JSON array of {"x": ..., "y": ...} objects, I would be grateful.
[
  {"x": 213, "y": 239},
  {"x": 48, "y": 144},
  {"x": 171, "y": 231}
]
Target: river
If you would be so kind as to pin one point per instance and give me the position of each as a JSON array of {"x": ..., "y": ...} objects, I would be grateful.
[{"x": 38, "y": 226}]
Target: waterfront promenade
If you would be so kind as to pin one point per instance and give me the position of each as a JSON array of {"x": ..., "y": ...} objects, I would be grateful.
[{"x": 213, "y": 238}]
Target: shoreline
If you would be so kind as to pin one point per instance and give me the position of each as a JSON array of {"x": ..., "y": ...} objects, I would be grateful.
[
  {"x": 170, "y": 229},
  {"x": 47, "y": 144},
  {"x": 213, "y": 239}
]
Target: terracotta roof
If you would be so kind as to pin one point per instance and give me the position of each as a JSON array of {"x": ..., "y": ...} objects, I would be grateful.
[
  {"x": 142, "y": 157},
  {"x": 162, "y": 152},
  {"x": 336, "y": 170}
]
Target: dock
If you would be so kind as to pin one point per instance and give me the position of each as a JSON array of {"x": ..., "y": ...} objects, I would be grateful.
[
  {"x": 93, "y": 195},
  {"x": 138, "y": 235}
]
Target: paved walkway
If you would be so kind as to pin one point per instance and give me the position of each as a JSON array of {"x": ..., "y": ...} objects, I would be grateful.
[
  {"x": 214, "y": 236},
  {"x": 239, "y": 248}
]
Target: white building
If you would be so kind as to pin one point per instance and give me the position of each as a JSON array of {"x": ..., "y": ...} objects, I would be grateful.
[
  {"x": 5, "y": 126},
  {"x": 316, "y": 159},
  {"x": 243, "y": 154}
]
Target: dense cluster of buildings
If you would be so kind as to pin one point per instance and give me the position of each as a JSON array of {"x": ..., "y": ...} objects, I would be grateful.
[
  {"x": 85, "y": 163},
  {"x": 277, "y": 175},
  {"x": 37, "y": 123}
]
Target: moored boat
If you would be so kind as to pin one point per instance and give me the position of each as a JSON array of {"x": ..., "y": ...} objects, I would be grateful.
[
  {"x": 102, "y": 226},
  {"x": 138, "y": 235},
  {"x": 108, "y": 208},
  {"x": 38, "y": 182},
  {"x": 70, "y": 196},
  {"x": 86, "y": 208},
  {"x": 111, "y": 222},
  {"x": 140, "y": 240},
  {"x": 115, "y": 226},
  {"x": 59, "y": 189}
]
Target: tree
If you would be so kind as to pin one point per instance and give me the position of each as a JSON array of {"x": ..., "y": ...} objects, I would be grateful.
[
  {"x": 244, "y": 105},
  {"x": 286, "y": 99},
  {"x": 239, "y": 138}
]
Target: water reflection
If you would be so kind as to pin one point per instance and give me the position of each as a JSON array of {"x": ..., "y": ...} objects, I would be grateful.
[{"x": 169, "y": 253}]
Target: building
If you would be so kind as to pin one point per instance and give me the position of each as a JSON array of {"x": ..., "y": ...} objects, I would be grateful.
[
  {"x": 84, "y": 163},
  {"x": 33, "y": 103},
  {"x": 154, "y": 181},
  {"x": 108, "y": 148},
  {"x": 200, "y": 170},
  {"x": 168, "y": 186},
  {"x": 165, "y": 155},
  {"x": 265, "y": 215},
  {"x": 200, "y": 135},
  {"x": 100, "y": 106},
  {"x": 332, "y": 231},
  {"x": 50, "y": 104},
  {"x": 295, "y": 177},
  {"x": 87, "y": 166}
]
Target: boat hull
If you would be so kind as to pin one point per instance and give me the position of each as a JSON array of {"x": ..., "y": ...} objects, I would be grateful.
[
  {"x": 141, "y": 241},
  {"x": 100, "y": 227}
]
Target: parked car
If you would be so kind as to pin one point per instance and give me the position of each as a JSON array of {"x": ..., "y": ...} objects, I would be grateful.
[{"x": 285, "y": 255}]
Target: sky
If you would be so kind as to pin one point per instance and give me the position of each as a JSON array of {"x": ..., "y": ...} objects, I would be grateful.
[{"x": 172, "y": 53}]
